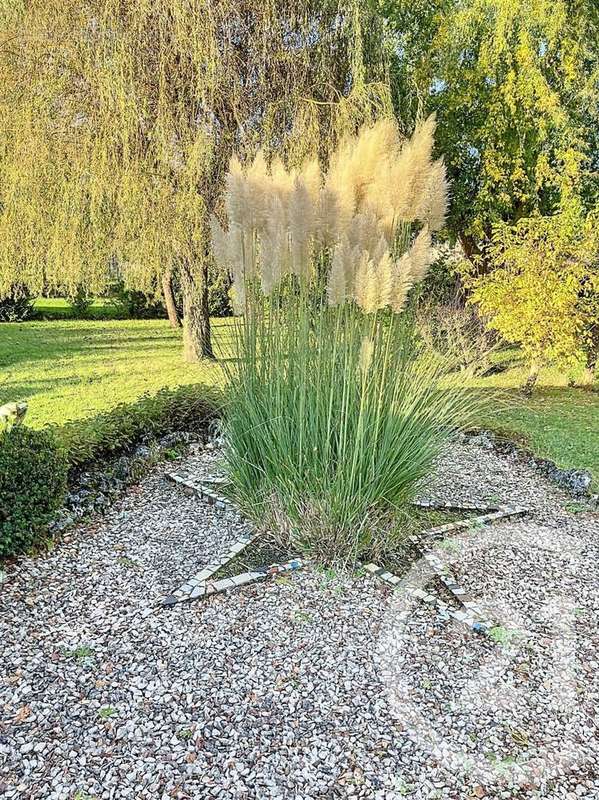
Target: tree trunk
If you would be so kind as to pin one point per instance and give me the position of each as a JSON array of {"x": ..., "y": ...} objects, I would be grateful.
[
  {"x": 531, "y": 381},
  {"x": 474, "y": 254},
  {"x": 169, "y": 299},
  {"x": 588, "y": 376},
  {"x": 197, "y": 341}
]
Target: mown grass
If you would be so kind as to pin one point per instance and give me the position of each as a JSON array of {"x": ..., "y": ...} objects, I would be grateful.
[
  {"x": 58, "y": 308},
  {"x": 559, "y": 421},
  {"x": 70, "y": 370}
]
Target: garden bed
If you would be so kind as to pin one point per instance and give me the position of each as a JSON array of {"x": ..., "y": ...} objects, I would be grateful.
[{"x": 279, "y": 688}]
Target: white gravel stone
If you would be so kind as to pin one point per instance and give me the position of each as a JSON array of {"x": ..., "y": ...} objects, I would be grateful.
[{"x": 277, "y": 690}]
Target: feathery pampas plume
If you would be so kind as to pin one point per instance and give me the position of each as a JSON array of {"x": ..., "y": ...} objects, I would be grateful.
[
  {"x": 337, "y": 286},
  {"x": 356, "y": 218},
  {"x": 366, "y": 353},
  {"x": 274, "y": 253}
]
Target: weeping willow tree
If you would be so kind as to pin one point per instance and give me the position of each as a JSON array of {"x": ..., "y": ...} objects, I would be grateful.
[{"x": 118, "y": 119}]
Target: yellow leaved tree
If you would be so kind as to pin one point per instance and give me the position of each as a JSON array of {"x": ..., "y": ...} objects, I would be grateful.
[{"x": 543, "y": 292}]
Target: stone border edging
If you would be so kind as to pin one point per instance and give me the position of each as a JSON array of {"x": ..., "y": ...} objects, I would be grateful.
[
  {"x": 473, "y": 617},
  {"x": 488, "y": 517},
  {"x": 199, "y": 488},
  {"x": 393, "y": 580},
  {"x": 575, "y": 482},
  {"x": 189, "y": 589},
  {"x": 200, "y": 585},
  {"x": 208, "y": 588}
]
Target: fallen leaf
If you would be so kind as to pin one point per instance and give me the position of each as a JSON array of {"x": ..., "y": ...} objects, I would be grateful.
[{"x": 22, "y": 714}]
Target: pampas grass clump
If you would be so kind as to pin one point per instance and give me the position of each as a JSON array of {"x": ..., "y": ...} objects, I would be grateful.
[{"x": 334, "y": 415}]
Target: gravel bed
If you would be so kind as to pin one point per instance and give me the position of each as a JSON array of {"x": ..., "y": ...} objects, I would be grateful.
[{"x": 308, "y": 686}]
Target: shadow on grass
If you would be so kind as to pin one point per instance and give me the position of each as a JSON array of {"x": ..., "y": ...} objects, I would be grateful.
[
  {"x": 30, "y": 344},
  {"x": 15, "y": 391},
  {"x": 36, "y": 341}
]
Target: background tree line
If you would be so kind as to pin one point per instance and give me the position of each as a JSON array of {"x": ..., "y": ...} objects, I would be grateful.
[
  {"x": 515, "y": 86},
  {"x": 117, "y": 121}
]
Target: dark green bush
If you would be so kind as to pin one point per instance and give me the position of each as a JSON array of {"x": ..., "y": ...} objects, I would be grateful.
[
  {"x": 33, "y": 472},
  {"x": 81, "y": 302},
  {"x": 442, "y": 283},
  {"x": 219, "y": 301},
  {"x": 185, "y": 408},
  {"x": 131, "y": 304},
  {"x": 17, "y": 307}
]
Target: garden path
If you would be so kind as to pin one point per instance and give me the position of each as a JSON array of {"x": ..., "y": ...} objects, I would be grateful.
[{"x": 303, "y": 687}]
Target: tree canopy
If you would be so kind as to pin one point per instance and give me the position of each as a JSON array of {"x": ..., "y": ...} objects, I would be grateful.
[
  {"x": 516, "y": 89},
  {"x": 118, "y": 119},
  {"x": 515, "y": 86}
]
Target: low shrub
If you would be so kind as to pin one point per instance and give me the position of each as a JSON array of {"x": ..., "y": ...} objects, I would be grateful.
[
  {"x": 131, "y": 304},
  {"x": 17, "y": 307},
  {"x": 80, "y": 303},
  {"x": 443, "y": 281},
  {"x": 61, "y": 308},
  {"x": 457, "y": 333},
  {"x": 35, "y": 465},
  {"x": 33, "y": 473},
  {"x": 184, "y": 408},
  {"x": 219, "y": 284}
]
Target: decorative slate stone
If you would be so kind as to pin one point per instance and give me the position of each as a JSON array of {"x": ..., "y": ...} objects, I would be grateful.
[
  {"x": 170, "y": 600},
  {"x": 440, "y": 570}
]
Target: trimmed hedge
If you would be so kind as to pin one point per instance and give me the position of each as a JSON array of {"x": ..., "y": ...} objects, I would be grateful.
[
  {"x": 184, "y": 408},
  {"x": 35, "y": 464},
  {"x": 33, "y": 479}
]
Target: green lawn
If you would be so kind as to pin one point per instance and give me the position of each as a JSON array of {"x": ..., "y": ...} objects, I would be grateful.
[
  {"x": 70, "y": 369},
  {"x": 60, "y": 308},
  {"x": 75, "y": 369},
  {"x": 558, "y": 422}
]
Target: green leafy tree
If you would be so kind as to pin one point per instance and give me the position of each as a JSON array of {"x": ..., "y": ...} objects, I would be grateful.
[
  {"x": 515, "y": 86},
  {"x": 118, "y": 118}
]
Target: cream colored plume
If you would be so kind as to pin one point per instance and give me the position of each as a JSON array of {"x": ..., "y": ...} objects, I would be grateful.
[
  {"x": 365, "y": 231},
  {"x": 401, "y": 188},
  {"x": 341, "y": 275},
  {"x": 302, "y": 218},
  {"x": 257, "y": 191},
  {"x": 312, "y": 178},
  {"x": 374, "y": 282},
  {"x": 274, "y": 252},
  {"x": 281, "y": 181},
  {"x": 385, "y": 275},
  {"x": 358, "y": 217},
  {"x": 366, "y": 354},
  {"x": 366, "y": 285},
  {"x": 420, "y": 255},
  {"x": 401, "y": 285},
  {"x": 432, "y": 208},
  {"x": 359, "y": 160},
  {"x": 333, "y": 218}
]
